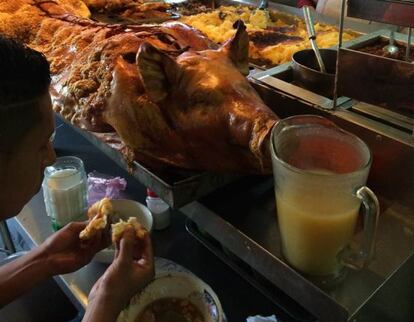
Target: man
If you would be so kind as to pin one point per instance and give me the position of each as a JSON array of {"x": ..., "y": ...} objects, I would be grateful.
[{"x": 26, "y": 129}]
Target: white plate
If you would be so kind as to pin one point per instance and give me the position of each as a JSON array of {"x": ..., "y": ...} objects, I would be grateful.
[
  {"x": 172, "y": 280},
  {"x": 126, "y": 208}
]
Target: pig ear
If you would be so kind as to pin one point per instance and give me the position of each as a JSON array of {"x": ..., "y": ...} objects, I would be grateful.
[
  {"x": 157, "y": 71},
  {"x": 237, "y": 48}
]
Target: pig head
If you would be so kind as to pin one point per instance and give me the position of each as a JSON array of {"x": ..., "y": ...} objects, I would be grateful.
[{"x": 194, "y": 110}]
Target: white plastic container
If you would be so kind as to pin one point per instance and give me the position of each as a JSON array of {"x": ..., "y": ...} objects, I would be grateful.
[
  {"x": 159, "y": 209},
  {"x": 64, "y": 190}
]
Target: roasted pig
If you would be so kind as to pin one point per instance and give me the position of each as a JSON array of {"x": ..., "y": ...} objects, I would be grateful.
[{"x": 173, "y": 97}]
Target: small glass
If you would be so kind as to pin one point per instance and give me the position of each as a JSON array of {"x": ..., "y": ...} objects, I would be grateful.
[
  {"x": 65, "y": 191},
  {"x": 320, "y": 172}
]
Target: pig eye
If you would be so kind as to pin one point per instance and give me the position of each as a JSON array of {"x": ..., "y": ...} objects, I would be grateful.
[{"x": 129, "y": 57}]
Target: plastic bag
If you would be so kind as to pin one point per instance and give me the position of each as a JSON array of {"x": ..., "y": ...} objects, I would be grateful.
[{"x": 102, "y": 185}]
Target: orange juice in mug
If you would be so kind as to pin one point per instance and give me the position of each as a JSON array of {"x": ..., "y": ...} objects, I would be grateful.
[{"x": 320, "y": 173}]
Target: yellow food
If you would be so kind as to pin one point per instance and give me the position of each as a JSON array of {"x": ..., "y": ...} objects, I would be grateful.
[
  {"x": 217, "y": 25},
  {"x": 119, "y": 228},
  {"x": 98, "y": 215}
]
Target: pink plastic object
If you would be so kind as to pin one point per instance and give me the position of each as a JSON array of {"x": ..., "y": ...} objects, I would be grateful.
[{"x": 102, "y": 185}]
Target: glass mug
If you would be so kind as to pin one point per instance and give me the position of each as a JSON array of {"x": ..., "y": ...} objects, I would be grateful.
[
  {"x": 320, "y": 172},
  {"x": 65, "y": 191}
]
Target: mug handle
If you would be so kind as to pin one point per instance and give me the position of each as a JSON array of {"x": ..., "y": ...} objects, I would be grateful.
[{"x": 362, "y": 256}]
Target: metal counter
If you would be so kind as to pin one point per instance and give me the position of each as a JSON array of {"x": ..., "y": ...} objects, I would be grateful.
[{"x": 241, "y": 219}]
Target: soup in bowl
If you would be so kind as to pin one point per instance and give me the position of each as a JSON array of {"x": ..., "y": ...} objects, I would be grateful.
[{"x": 174, "y": 297}]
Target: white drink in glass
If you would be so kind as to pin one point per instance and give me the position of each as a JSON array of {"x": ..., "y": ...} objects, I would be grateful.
[{"x": 65, "y": 193}]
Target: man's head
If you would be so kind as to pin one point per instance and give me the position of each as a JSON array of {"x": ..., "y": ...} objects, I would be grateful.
[{"x": 26, "y": 124}]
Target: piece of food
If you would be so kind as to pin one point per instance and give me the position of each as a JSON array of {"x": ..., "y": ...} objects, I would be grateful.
[
  {"x": 77, "y": 7},
  {"x": 119, "y": 228},
  {"x": 109, "y": 6},
  {"x": 98, "y": 218},
  {"x": 101, "y": 214}
]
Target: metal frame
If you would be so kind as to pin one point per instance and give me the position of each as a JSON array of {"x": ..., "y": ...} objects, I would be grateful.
[
  {"x": 383, "y": 121},
  {"x": 368, "y": 9},
  {"x": 271, "y": 77}
]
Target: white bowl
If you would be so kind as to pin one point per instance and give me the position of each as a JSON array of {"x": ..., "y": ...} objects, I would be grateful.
[
  {"x": 126, "y": 208},
  {"x": 179, "y": 285}
]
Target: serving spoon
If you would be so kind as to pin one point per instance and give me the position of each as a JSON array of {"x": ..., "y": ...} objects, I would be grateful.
[
  {"x": 264, "y": 5},
  {"x": 391, "y": 49},
  {"x": 312, "y": 37}
]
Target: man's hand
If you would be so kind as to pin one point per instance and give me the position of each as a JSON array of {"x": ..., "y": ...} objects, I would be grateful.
[
  {"x": 131, "y": 270},
  {"x": 61, "y": 253},
  {"x": 67, "y": 253}
]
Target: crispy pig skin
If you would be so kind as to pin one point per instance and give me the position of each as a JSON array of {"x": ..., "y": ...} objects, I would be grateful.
[{"x": 172, "y": 96}]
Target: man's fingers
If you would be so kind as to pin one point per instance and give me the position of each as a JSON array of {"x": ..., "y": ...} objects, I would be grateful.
[
  {"x": 76, "y": 226},
  {"x": 127, "y": 245},
  {"x": 148, "y": 251},
  {"x": 102, "y": 239},
  {"x": 93, "y": 243}
]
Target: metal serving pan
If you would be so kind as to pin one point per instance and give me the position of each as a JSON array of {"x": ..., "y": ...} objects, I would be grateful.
[
  {"x": 176, "y": 187},
  {"x": 306, "y": 71},
  {"x": 384, "y": 82},
  {"x": 281, "y": 79}
]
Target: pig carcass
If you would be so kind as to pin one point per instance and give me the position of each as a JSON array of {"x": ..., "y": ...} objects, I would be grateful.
[{"x": 173, "y": 97}]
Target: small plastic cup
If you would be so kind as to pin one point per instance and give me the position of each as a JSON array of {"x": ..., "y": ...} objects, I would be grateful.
[{"x": 160, "y": 210}]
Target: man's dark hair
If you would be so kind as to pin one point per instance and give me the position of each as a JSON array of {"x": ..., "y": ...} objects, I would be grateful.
[{"x": 24, "y": 78}]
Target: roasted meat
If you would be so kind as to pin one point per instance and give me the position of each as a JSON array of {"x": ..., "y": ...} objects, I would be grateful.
[{"x": 171, "y": 95}]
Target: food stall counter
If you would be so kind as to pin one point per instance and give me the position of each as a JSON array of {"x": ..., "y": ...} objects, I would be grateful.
[{"x": 32, "y": 226}]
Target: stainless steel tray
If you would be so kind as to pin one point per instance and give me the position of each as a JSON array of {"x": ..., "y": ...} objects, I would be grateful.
[
  {"x": 242, "y": 218},
  {"x": 380, "y": 81},
  {"x": 176, "y": 187},
  {"x": 385, "y": 121},
  {"x": 280, "y": 76}
]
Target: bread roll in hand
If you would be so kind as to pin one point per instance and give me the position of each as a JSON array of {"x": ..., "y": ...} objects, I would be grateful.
[
  {"x": 98, "y": 215},
  {"x": 119, "y": 228}
]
